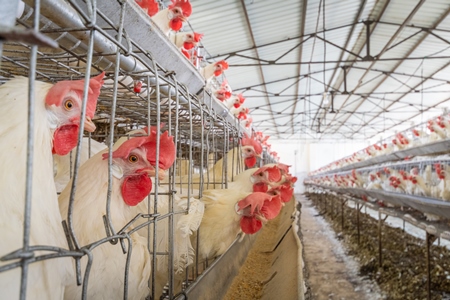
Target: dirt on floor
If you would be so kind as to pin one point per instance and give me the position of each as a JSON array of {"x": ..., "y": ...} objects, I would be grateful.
[
  {"x": 403, "y": 272},
  {"x": 326, "y": 267}
]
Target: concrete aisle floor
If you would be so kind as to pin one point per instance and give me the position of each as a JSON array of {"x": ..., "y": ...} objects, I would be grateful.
[{"x": 331, "y": 274}]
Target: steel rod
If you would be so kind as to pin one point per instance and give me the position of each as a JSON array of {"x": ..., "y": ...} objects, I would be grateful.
[
  {"x": 357, "y": 224},
  {"x": 380, "y": 245}
]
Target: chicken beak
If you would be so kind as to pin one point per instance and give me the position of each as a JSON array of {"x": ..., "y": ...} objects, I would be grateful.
[
  {"x": 161, "y": 174},
  {"x": 150, "y": 172},
  {"x": 89, "y": 125}
]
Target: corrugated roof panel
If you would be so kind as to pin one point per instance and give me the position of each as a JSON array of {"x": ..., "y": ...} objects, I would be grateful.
[
  {"x": 208, "y": 18},
  {"x": 429, "y": 12},
  {"x": 271, "y": 22},
  {"x": 398, "y": 11},
  {"x": 285, "y": 18},
  {"x": 287, "y": 48}
]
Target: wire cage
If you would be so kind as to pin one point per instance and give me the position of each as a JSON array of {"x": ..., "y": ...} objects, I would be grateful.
[{"x": 148, "y": 82}]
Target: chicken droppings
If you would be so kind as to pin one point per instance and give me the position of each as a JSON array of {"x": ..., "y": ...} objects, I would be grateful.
[{"x": 403, "y": 274}]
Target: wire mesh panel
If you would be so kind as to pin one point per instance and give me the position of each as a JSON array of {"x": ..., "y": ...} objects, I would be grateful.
[{"x": 121, "y": 202}]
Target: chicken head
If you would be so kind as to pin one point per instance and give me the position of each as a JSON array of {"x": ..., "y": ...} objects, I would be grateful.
[
  {"x": 134, "y": 164},
  {"x": 251, "y": 149},
  {"x": 179, "y": 11},
  {"x": 219, "y": 67},
  {"x": 191, "y": 40},
  {"x": 64, "y": 101},
  {"x": 257, "y": 208}
]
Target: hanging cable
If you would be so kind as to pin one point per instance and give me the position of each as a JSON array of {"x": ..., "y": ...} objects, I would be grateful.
[
  {"x": 421, "y": 94},
  {"x": 324, "y": 48}
]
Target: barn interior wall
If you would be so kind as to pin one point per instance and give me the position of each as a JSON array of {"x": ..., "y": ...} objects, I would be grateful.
[{"x": 305, "y": 157}]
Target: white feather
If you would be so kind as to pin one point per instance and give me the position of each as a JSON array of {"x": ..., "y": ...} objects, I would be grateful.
[
  {"x": 106, "y": 279},
  {"x": 48, "y": 277},
  {"x": 64, "y": 164}
]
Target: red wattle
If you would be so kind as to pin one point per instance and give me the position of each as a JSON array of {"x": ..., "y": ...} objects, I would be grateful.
[
  {"x": 217, "y": 73},
  {"x": 65, "y": 139},
  {"x": 176, "y": 24},
  {"x": 237, "y": 105},
  {"x": 188, "y": 46},
  {"x": 186, "y": 53},
  {"x": 250, "y": 225},
  {"x": 260, "y": 187},
  {"x": 250, "y": 162},
  {"x": 135, "y": 189}
]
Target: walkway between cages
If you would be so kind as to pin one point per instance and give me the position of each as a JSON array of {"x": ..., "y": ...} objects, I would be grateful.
[{"x": 330, "y": 273}]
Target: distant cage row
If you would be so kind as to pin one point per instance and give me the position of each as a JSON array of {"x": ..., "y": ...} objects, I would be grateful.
[
  {"x": 126, "y": 167},
  {"x": 422, "y": 136}
]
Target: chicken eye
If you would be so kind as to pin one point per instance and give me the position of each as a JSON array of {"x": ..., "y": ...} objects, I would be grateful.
[
  {"x": 133, "y": 158},
  {"x": 68, "y": 104}
]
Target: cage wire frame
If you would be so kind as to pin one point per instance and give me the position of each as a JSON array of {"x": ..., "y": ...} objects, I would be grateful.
[
  {"x": 427, "y": 148},
  {"x": 423, "y": 203},
  {"x": 199, "y": 132}
]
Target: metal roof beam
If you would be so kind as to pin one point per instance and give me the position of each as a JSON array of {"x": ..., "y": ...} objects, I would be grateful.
[
  {"x": 229, "y": 54},
  {"x": 426, "y": 78},
  {"x": 391, "y": 40},
  {"x": 345, "y": 61},
  {"x": 247, "y": 19}
]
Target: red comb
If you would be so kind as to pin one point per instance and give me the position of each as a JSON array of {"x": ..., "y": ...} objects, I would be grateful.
[
  {"x": 124, "y": 150},
  {"x": 153, "y": 8},
  {"x": 242, "y": 116},
  {"x": 241, "y": 98},
  {"x": 274, "y": 174},
  {"x": 254, "y": 202},
  {"x": 223, "y": 64},
  {"x": 284, "y": 168},
  {"x": 246, "y": 141},
  {"x": 198, "y": 37},
  {"x": 249, "y": 122},
  {"x": 258, "y": 203},
  {"x": 167, "y": 151},
  {"x": 56, "y": 94},
  {"x": 184, "y": 5},
  {"x": 272, "y": 207}
]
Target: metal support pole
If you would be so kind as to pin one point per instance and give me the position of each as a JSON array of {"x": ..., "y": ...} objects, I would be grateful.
[
  {"x": 357, "y": 223},
  {"x": 368, "y": 56},
  {"x": 380, "y": 255},
  {"x": 331, "y": 208},
  {"x": 345, "y": 92},
  {"x": 429, "y": 241}
]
